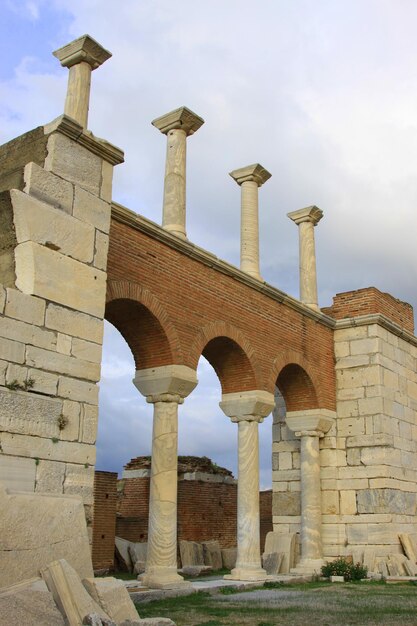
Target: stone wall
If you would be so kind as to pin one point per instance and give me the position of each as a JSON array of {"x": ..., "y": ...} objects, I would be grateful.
[{"x": 104, "y": 520}]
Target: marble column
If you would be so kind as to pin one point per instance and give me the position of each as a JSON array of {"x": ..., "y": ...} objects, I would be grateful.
[
  {"x": 81, "y": 56},
  {"x": 250, "y": 178},
  {"x": 248, "y": 408},
  {"x": 306, "y": 219},
  {"x": 177, "y": 126},
  {"x": 310, "y": 426},
  {"x": 165, "y": 387}
]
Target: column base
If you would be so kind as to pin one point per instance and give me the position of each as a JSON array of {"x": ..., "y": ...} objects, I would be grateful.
[
  {"x": 308, "y": 566},
  {"x": 163, "y": 578},
  {"x": 246, "y": 573}
]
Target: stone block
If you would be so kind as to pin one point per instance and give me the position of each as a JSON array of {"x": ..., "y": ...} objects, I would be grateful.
[
  {"x": 351, "y": 426},
  {"x": 29, "y": 544},
  {"x": 350, "y": 334},
  {"x": 16, "y": 374},
  {"x": 101, "y": 250},
  {"x": 49, "y": 274},
  {"x": 41, "y": 223},
  {"x": 61, "y": 363},
  {"x": 79, "y": 480},
  {"x": 229, "y": 556},
  {"x": 285, "y": 544},
  {"x": 286, "y": 503},
  {"x": 3, "y": 367},
  {"x": 28, "y": 414},
  {"x": 348, "y": 502},
  {"x": 193, "y": 570},
  {"x": 351, "y": 394},
  {"x": 357, "y": 533},
  {"x": 47, "y": 187},
  {"x": 2, "y": 299},
  {"x": 53, "y": 450},
  {"x": 378, "y": 439},
  {"x": 352, "y": 361},
  {"x": 71, "y": 412},
  {"x": 330, "y": 502},
  {"x": 106, "y": 181},
  {"x": 359, "y": 377},
  {"x": 44, "y": 382},
  {"x": 25, "y": 308},
  {"x": 92, "y": 210},
  {"x": 74, "y": 163},
  {"x": 369, "y": 559},
  {"x": 17, "y": 473},
  {"x": 408, "y": 546},
  {"x": 122, "y": 549},
  {"x": 50, "y": 476},
  {"x": 86, "y": 350},
  {"x": 77, "y": 390},
  {"x": 12, "y": 350},
  {"x": 271, "y": 563},
  {"x": 337, "y": 579},
  {"x": 285, "y": 461},
  {"x": 386, "y": 501},
  {"x": 112, "y": 596},
  {"x": 64, "y": 582},
  {"x": 353, "y": 456},
  {"x": 74, "y": 323},
  {"x": 27, "y": 333},
  {"x": 192, "y": 553},
  {"x": 365, "y": 346},
  {"x": 138, "y": 553},
  {"x": 29, "y": 607},
  {"x": 212, "y": 554},
  {"x": 89, "y": 422}
]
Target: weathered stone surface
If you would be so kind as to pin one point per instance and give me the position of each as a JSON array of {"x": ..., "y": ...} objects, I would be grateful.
[
  {"x": 93, "y": 619},
  {"x": 92, "y": 210},
  {"x": 191, "y": 553},
  {"x": 79, "y": 480},
  {"x": 43, "y": 272},
  {"x": 285, "y": 543},
  {"x": 74, "y": 323},
  {"x": 101, "y": 250},
  {"x": 29, "y": 414},
  {"x": 17, "y": 473},
  {"x": 27, "y": 333},
  {"x": 212, "y": 554},
  {"x": 13, "y": 351},
  {"x": 386, "y": 501},
  {"x": 69, "y": 594},
  {"x": 194, "y": 570},
  {"x": 369, "y": 559},
  {"x": 272, "y": 562},
  {"x": 89, "y": 423},
  {"x": 229, "y": 556},
  {"x": 86, "y": 350},
  {"x": 62, "y": 363},
  {"x": 44, "y": 382},
  {"x": 122, "y": 547},
  {"x": 407, "y": 546},
  {"x": 137, "y": 552},
  {"x": 113, "y": 597},
  {"x": 49, "y": 476},
  {"x": 29, "y": 608},
  {"x": 53, "y": 450},
  {"x": 286, "y": 503},
  {"x": 77, "y": 390},
  {"x": 29, "y": 544},
  {"x": 25, "y": 308},
  {"x": 47, "y": 187}
]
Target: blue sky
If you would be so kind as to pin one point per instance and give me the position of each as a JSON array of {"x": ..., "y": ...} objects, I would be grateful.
[{"x": 320, "y": 92}]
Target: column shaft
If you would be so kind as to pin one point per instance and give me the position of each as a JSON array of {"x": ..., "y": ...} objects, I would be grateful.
[
  {"x": 78, "y": 93},
  {"x": 308, "y": 274},
  {"x": 249, "y": 243},
  {"x": 173, "y": 218},
  {"x": 310, "y": 499}
]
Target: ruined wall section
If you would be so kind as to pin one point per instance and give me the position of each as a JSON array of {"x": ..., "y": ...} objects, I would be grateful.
[{"x": 55, "y": 223}]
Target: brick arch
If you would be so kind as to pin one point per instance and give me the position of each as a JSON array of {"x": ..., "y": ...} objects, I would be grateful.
[
  {"x": 143, "y": 322},
  {"x": 230, "y": 354},
  {"x": 298, "y": 381}
]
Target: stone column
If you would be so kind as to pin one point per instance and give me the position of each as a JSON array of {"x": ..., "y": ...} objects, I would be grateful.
[
  {"x": 81, "y": 56},
  {"x": 177, "y": 126},
  {"x": 306, "y": 219},
  {"x": 250, "y": 178},
  {"x": 310, "y": 426},
  {"x": 248, "y": 408},
  {"x": 165, "y": 387}
]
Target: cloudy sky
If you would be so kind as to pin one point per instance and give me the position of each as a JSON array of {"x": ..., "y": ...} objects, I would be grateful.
[{"x": 323, "y": 93}]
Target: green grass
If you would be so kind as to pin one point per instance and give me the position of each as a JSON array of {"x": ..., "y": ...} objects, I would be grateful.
[{"x": 320, "y": 603}]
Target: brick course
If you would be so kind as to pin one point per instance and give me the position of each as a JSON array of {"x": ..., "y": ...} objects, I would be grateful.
[{"x": 104, "y": 520}]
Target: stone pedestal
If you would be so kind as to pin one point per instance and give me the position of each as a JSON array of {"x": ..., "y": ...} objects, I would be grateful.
[
  {"x": 165, "y": 387},
  {"x": 248, "y": 409},
  {"x": 250, "y": 178},
  {"x": 310, "y": 426},
  {"x": 306, "y": 219},
  {"x": 177, "y": 126}
]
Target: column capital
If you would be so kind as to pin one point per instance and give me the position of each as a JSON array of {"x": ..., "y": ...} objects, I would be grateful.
[
  {"x": 85, "y": 49},
  {"x": 168, "y": 383},
  {"x": 310, "y": 421},
  {"x": 254, "y": 172},
  {"x": 182, "y": 118},
  {"x": 247, "y": 406},
  {"x": 310, "y": 214}
]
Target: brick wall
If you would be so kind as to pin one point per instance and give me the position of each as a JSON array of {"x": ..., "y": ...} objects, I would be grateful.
[
  {"x": 104, "y": 521},
  {"x": 265, "y": 509}
]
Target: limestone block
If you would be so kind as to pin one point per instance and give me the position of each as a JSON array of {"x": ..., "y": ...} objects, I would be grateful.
[
  {"x": 378, "y": 439},
  {"x": 285, "y": 461},
  {"x": 192, "y": 570},
  {"x": 65, "y": 584},
  {"x": 366, "y": 346},
  {"x": 2, "y": 299},
  {"x": 352, "y": 361},
  {"x": 78, "y": 390},
  {"x": 101, "y": 250},
  {"x": 353, "y": 456},
  {"x": 212, "y": 554},
  {"x": 351, "y": 426},
  {"x": 17, "y": 473},
  {"x": 39, "y": 222},
  {"x": 27, "y": 333},
  {"x": 73, "y": 162},
  {"x": 380, "y": 456},
  {"x": 329, "y": 502},
  {"x": 39, "y": 448},
  {"x": 407, "y": 546},
  {"x": 386, "y": 501},
  {"x": 16, "y": 373},
  {"x": 271, "y": 563},
  {"x": 44, "y": 382},
  {"x": 28, "y": 543},
  {"x": 89, "y": 422},
  {"x": 106, "y": 181},
  {"x": 29, "y": 414},
  {"x": 369, "y": 559},
  {"x": 229, "y": 556},
  {"x": 86, "y": 350},
  {"x": 341, "y": 349},
  {"x": 122, "y": 548},
  {"x": 12, "y": 350},
  {"x": 47, "y": 187},
  {"x": 285, "y": 544},
  {"x": 25, "y": 308},
  {"x": 74, "y": 323},
  {"x": 3, "y": 367},
  {"x": 138, "y": 552},
  {"x": 350, "y": 334},
  {"x": 113, "y": 597},
  {"x": 351, "y": 394},
  {"x": 357, "y": 533},
  {"x": 49, "y": 274},
  {"x": 61, "y": 363},
  {"x": 79, "y": 480},
  {"x": 71, "y": 412},
  {"x": 29, "y": 607},
  {"x": 192, "y": 553},
  {"x": 286, "y": 503},
  {"x": 334, "y": 534},
  {"x": 50, "y": 476},
  {"x": 348, "y": 502},
  {"x": 370, "y": 406},
  {"x": 382, "y": 533},
  {"x": 359, "y": 377},
  {"x": 93, "y": 210}
]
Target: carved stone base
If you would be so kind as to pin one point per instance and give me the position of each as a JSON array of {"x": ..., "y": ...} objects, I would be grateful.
[
  {"x": 163, "y": 578},
  {"x": 240, "y": 573},
  {"x": 308, "y": 566}
]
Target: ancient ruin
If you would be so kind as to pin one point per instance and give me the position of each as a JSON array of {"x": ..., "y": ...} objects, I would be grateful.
[{"x": 341, "y": 382}]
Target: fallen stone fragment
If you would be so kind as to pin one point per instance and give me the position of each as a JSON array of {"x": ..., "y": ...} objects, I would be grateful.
[{"x": 113, "y": 597}]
